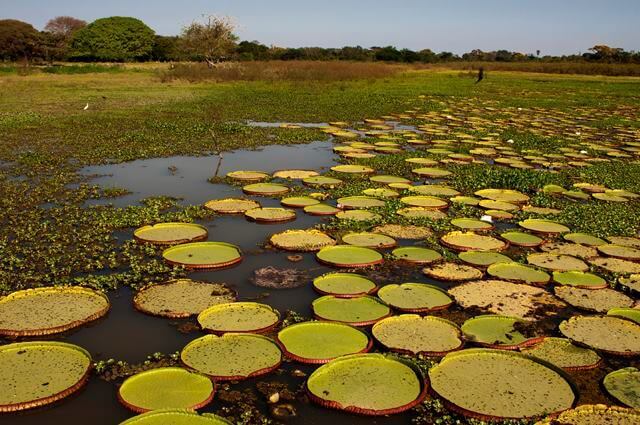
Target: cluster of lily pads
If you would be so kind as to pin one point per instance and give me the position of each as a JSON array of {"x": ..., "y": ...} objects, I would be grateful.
[{"x": 504, "y": 259}]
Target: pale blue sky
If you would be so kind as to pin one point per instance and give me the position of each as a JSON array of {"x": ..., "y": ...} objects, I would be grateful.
[{"x": 553, "y": 26}]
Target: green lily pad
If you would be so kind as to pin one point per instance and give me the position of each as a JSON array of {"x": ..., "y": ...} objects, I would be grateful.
[
  {"x": 490, "y": 204},
  {"x": 357, "y": 215},
  {"x": 358, "y": 311},
  {"x": 381, "y": 193},
  {"x": 519, "y": 273},
  {"x": 232, "y": 356},
  {"x": 404, "y": 231},
  {"x": 356, "y": 202},
  {"x": 620, "y": 251},
  {"x": 579, "y": 280},
  {"x": 369, "y": 240},
  {"x": 564, "y": 354},
  {"x": 486, "y": 384},
  {"x": 413, "y": 334},
  {"x": 416, "y": 255},
  {"x": 345, "y": 285},
  {"x": 471, "y": 224},
  {"x": 367, "y": 384},
  {"x": 430, "y": 172},
  {"x": 434, "y": 190},
  {"x": 386, "y": 179},
  {"x": 166, "y": 388},
  {"x": 569, "y": 248},
  {"x": 421, "y": 161},
  {"x": 322, "y": 181},
  {"x": 465, "y": 200},
  {"x": 625, "y": 241},
  {"x": 600, "y": 300},
  {"x": 175, "y": 417},
  {"x": 483, "y": 258},
  {"x": 624, "y": 386},
  {"x": 203, "y": 255},
  {"x": 321, "y": 342},
  {"x": 46, "y": 311},
  {"x": 522, "y": 239},
  {"x": 239, "y": 317},
  {"x": 294, "y": 174},
  {"x": 608, "y": 334},
  {"x": 181, "y": 297},
  {"x": 595, "y": 414},
  {"x": 448, "y": 271},
  {"x": 616, "y": 265},
  {"x": 251, "y": 176},
  {"x": 495, "y": 331},
  {"x": 349, "y": 256},
  {"x": 543, "y": 226},
  {"x": 424, "y": 202},
  {"x": 584, "y": 239},
  {"x": 557, "y": 262},
  {"x": 265, "y": 189},
  {"x": 626, "y": 312},
  {"x": 469, "y": 241},
  {"x": 504, "y": 195},
  {"x": 421, "y": 212},
  {"x": 301, "y": 240},
  {"x": 321, "y": 209},
  {"x": 298, "y": 201},
  {"x": 270, "y": 215},
  {"x": 171, "y": 233},
  {"x": 415, "y": 297},
  {"x": 352, "y": 169},
  {"x": 507, "y": 299},
  {"x": 231, "y": 205},
  {"x": 39, "y": 373}
]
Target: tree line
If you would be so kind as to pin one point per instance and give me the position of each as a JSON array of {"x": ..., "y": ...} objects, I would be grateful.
[{"x": 126, "y": 39}]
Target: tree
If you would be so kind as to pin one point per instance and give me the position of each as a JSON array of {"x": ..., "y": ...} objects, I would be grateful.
[
  {"x": 212, "y": 41},
  {"x": 114, "y": 39},
  {"x": 165, "y": 48},
  {"x": 252, "y": 50},
  {"x": 64, "y": 25},
  {"x": 18, "y": 40}
]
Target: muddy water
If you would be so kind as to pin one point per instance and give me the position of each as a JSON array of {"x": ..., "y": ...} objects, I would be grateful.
[{"x": 126, "y": 334}]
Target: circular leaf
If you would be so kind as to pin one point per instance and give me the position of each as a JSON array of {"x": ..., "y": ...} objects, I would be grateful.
[
  {"x": 239, "y": 317},
  {"x": 171, "y": 233},
  {"x": 203, "y": 255}
]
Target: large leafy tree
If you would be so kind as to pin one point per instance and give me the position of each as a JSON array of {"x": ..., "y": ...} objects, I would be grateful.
[
  {"x": 114, "y": 39},
  {"x": 57, "y": 36},
  {"x": 18, "y": 40},
  {"x": 212, "y": 41}
]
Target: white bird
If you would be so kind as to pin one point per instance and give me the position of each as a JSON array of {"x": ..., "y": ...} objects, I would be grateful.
[
  {"x": 486, "y": 218},
  {"x": 86, "y": 107}
]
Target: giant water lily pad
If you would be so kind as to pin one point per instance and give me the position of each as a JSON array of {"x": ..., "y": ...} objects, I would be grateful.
[
  {"x": 483, "y": 258},
  {"x": 579, "y": 280},
  {"x": 321, "y": 181},
  {"x": 231, "y": 205},
  {"x": 181, "y": 297},
  {"x": 368, "y": 384},
  {"x": 414, "y": 297},
  {"x": 299, "y": 201},
  {"x": 247, "y": 175},
  {"x": 355, "y": 202},
  {"x": 265, "y": 189},
  {"x": 625, "y": 241},
  {"x": 239, "y": 317},
  {"x": 175, "y": 416},
  {"x": 345, "y": 285},
  {"x": 631, "y": 283},
  {"x": 46, "y": 311},
  {"x": 425, "y": 202},
  {"x": 232, "y": 356},
  {"x": 301, "y": 240},
  {"x": 620, "y": 251},
  {"x": 321, "y": 209},
  {"x": 416, "y": 255},
  {"x": 624, "y": 386},
  {"x": 573, "y": 249},
  {"x": 34, "y": 374},
  {"x": 486, "y": 384},
  {"x": 564, "y": 354},
  {"x": 434, "y": 190},
  {"x": 506, "y": 298},
  {"x": 413, "y": 334},
  {"x": 352, "y": 169},
  {"x": 400, "y": 231},
  {"x": 321, "y": 342},
  {"x": 165, "y": 388},
  {"x": 370, "y": 240},
  {"x": 504, "y": 195},
  {"x": 518, "y": 273},
  {"x": 203, "y": 255},
  {"x": 584, "y": 239},
  {"x": 270, "y": 215},
  {"x": 495, "y": 331},
  {"x": 557, "y": 262},
  {"x": 386, "y": 179},
  {"x": 357, "y": 311},
  {"x": 522, "y": 239},
  {"x": 543, "y": 226},
  {"x": 616, "y": 265},
  {"x": 471, "y": 224},
  {"x": 349, "y": 256},
  {"x": 294, "y": 174},
  {"x": 600, "y": 300},
  {"x": 171, "y": 233},
  {"x": 608, "y": 334},
  {"x": 469, "y": 241},
  {"x": 421, "y": 212},
  {"x": 452, "y": 272},
  {"x": 594, "y": 414},
  {"x": 626, "y": 313},
  {"x": 357, "y": 215}
]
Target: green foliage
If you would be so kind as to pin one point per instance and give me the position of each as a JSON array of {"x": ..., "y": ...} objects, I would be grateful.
[
  {"x": 473, "y": 177},
  {"x": 115, "y": 39},
  {"x": 18, "y": 40},
  {"x": 82, "y": 69}
]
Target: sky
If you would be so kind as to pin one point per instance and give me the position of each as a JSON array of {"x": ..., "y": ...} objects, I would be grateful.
[{"x": 554, "y": 27}]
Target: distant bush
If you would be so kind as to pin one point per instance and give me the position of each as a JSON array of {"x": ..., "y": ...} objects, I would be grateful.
[{"x": 115, "y": 39}]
